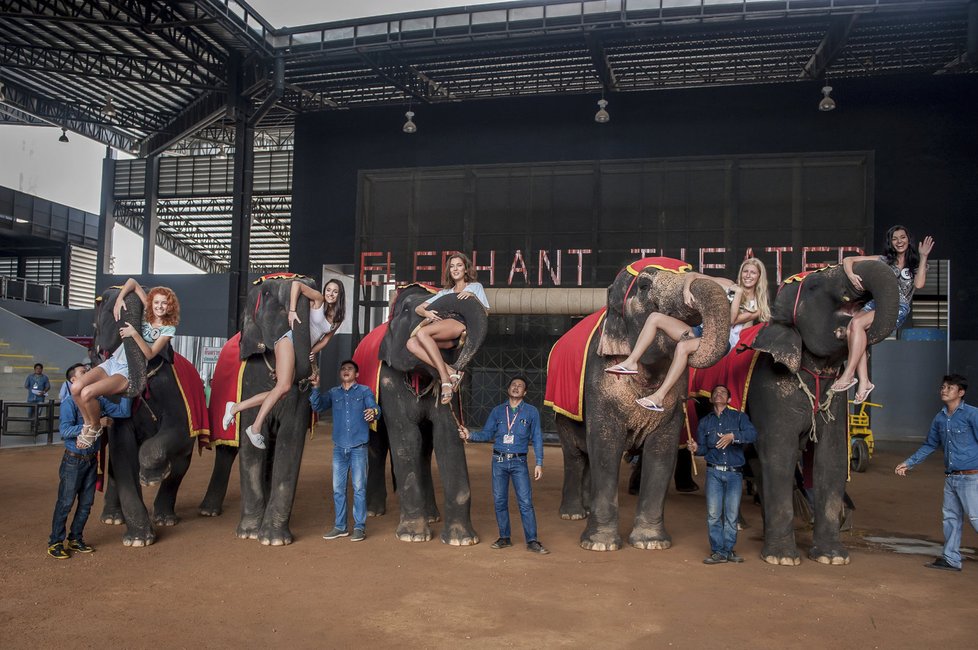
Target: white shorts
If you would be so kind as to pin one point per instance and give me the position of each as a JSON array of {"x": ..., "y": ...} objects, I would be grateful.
[{"x": 117, "y": 364}]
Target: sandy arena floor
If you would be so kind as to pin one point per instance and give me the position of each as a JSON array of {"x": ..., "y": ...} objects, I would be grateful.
[{"x": 200, "y": 587}]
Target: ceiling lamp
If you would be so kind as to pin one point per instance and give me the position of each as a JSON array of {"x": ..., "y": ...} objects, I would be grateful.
[
  {"x": 64, "y": 136},
  {"x": 410, "y": 126},
  {"x": 109, "y": 109},
  {"x": 3, "y": 97},
  {"x": 602, "y": 116},
  {"x": 827, "y": 104}
]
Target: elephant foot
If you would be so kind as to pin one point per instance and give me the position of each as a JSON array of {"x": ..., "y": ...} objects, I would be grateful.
[
  {"x": 459, "y": 535},
  {"x": 432, "y": 519},
  {"x": 413, "y": 531},
  {"x": 275, "y": 537},
  {"x": 247, "y": 528},
  {"x": 139, "y": 539},
  {"x": 165, "y": 519},
  {"x": 376, "y": 511},
  {"x": 205, "y": 511},
  {"x": 829, "y": 554},
  {"x": 573, "y": 512},
  {"x": 112, "y": 518},
  {"x": 781, "y": 556},
  {"x": 592, "y": 540},
  {"x": 149, "y": 477},
  {"x": 650, "y": 538}
]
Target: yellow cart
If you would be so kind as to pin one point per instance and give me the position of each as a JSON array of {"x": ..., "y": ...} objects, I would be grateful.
[{"x": 860, "y": 437}]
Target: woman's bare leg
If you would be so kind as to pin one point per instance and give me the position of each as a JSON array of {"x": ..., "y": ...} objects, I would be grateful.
[
  {"x": 856, "y": 336},
  {"x": 89, "y": 387},
  {"x": 430, "y": 336},
  {"x": 251, "y": 402},
  {"x": 673, "y": 327},
  {"x": 284, "y": 376},
  {"x": 680, "y": 360}
]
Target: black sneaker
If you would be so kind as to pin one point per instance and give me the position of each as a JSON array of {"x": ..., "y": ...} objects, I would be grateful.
[
  {"x": 942, "y": 564},
  {"x": 358, "y": 535},
  {"x": 58, "y": 552},
  {"x": 733, "y": 557},
  {"x": 716, "y": 558},
  {"x": 502, "y": 542},
  {"x": 79, "y": 546},
  {"x": 336, "y": 532},
  {"x": 537, "y": 547}
]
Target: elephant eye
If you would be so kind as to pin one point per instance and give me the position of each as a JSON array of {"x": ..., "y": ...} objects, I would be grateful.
[{"x": 644, "y": 286}]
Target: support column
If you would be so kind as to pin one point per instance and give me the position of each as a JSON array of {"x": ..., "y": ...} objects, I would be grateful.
[
  {"x": 106, "y": 218},
  {"x": 150, "y": 219},
  {"x": 244, "y": 168}
]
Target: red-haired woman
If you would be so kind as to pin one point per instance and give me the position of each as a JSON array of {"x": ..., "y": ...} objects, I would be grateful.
[{"x": 161, "y": 315}]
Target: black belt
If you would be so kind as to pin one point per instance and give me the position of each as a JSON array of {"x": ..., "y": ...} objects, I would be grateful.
[
  {"x": 507, "y": 456},
  {"x": 69, "y": 452},
  {"x": 726, "y": 468},
  {"x": 962, "y": 471}
]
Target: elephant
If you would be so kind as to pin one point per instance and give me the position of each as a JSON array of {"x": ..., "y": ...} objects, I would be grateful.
[
  {"x": 802, "y": 351},
  {"x": 155, "y": 445},
  {"x": 612, "y": 423},
  {"x": 416, "y": 424},
  {"x": 268, "y": 476}
]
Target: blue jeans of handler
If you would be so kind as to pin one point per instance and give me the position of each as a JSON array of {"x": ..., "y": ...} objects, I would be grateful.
[
  {"x": 77, "y": 480},
  {"x": 960, "y": 504},
  {"x": 350, "y": 461},
  {"x": 503, "y": 471},
  {"x": 723, "y": 490}
]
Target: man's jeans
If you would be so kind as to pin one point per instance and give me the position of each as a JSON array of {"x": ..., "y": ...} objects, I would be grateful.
[
  {"x": 77, "y": 479},
  {"x": 960, "y": 503},
  {"x": 723, "y": 491},
  {"x": 352, "y": 461},
  {"x": 502, "y": 472}
]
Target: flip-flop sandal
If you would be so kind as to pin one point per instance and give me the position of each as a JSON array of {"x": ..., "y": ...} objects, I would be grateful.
[
  {"x": 446, "y": 395},
  {"x": 646, "y": 403},
  {"x": 228, "y": 419},
  {"x": 620, "y": 370},
  {"x": 843, "y": 388},
  {"x": 863, "y": 395},
  {"x": 257, "y": 439}
]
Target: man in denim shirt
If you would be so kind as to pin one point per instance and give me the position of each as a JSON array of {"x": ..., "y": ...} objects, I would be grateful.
[
  {"x": 512, "y": 426},
  {"x": 78, "y": 471},
  {"x": 354, "y": 407},
  {"x": 721, "y": 437},
  {"x": 955, "y": 429}
]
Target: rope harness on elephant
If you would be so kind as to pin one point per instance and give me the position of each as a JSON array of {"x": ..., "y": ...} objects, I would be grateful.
[
  {"x": 413, "y": 382},
  {"x": 825, "y": 407}
]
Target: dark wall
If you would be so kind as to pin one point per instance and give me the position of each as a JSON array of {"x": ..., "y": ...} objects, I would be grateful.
[
  {"x": 203, "y": 299},
  {"x": 921, "y": 130}
]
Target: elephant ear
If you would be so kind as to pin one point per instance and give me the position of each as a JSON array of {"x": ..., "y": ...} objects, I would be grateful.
[
  {"x": 779, "y": 337},
  {"x": 614, "y": 339}
]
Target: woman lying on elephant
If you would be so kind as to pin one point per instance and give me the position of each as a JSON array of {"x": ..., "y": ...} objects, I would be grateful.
[
  {"x": 752, "y": 284},
  {"x": 910, "y": 268},
  {"x": 161, "y": 315},
  {"x": 439, "y": 331},
  {"x": 326, "y": 311}
]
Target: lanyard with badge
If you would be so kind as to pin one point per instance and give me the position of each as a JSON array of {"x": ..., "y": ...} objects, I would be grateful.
[{"x": 508, "y": 437}]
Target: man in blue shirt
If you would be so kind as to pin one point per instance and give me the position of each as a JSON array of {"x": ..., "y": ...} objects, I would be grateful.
[
  {"x": 955, "y": 429},
  {"x": 78, "y": 471},
  {"x": 721, "y": 437},
  {"x": 354, "y": 408},
  {"x": 512, "y": 426},
  {"x": 37, "y": 385}
]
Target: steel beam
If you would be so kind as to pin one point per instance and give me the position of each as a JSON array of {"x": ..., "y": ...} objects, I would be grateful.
[
  {"x": 151, "y": 221},
  {"x": 831, "y": 46},
  {"x": 405, "y": 78},
  {"x": 200, "y": 113},
  {"x": 601, "y": 66}
]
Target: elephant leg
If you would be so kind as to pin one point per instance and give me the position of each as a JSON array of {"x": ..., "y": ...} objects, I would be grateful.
[
  {"x": 217, "y": 489},
  {"x": 605, "y": 446},
  {"x": 111, "y": 508},
  {"x": 572, "y": 498},
  {"x": 289, "y": 443},
  {"x": 164, "y": 506},
  {"x": 454, "y": 472},
  {"x": 125, "y": 469},
  {"x": 155, "y": 455},
  {"x": 377, "y": 451},
  {"x": 431, "y": 513},
  {"x": 252, "y": 468},
  {"x": 831, "y": 461},
  {"x": 405, "y": 439},
  {"x": 778, "y": 460},
  {"x": 658, "y": 466}
]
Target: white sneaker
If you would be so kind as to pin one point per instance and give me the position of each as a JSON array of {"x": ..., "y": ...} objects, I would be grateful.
[
  {"x": 257, "y": 439},
  {"x": 228, "y": 419}
]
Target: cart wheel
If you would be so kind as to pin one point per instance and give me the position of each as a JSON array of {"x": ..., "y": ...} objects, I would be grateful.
[{"x": 860, "y": 455}]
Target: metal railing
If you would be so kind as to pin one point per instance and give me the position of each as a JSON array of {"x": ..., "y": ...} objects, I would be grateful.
[
  {"x": 40, "y": 416},
  {"x": 30, "y": 291}
]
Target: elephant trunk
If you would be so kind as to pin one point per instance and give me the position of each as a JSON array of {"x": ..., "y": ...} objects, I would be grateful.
[
  {"x": 715, "y": 310},
  {"x": 879, "y": 281}
]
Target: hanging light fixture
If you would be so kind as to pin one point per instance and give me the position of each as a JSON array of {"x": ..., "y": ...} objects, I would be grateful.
[
  {"x": 602, "y": 116},
  {"x": 222, "y": 153},
  {"x": 827, "y": 104},
  {"x": 108, "y": 110},
  {"x": 410, "y": 126},
  {"x": 64, "y": 136},
  {"x": 3, "y": 97}
]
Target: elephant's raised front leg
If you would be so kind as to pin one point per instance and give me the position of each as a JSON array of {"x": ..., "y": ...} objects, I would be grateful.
[
  {"x": 658, "y": 464},
  {"x": 605, "y": 448},
  {"x": 831, "y": 465},
  {"x": 213, "y": 502},
  {"x": 454, "y": 472},
  {"x": 573, "y": 501},
  {"x": 164, "y": 506}
]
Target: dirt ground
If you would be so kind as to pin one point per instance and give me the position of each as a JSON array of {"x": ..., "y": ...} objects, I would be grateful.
[{"x": 200, "y": 587}]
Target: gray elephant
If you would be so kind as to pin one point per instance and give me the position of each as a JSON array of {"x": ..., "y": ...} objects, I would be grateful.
[
  {"x": 416, "y": 424},
  {"x": 611, "y": 421},
  {"x": 152, "y": 447},
  {"x": 268, "y": 476},
  {"x": 791, "y": 405}
]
